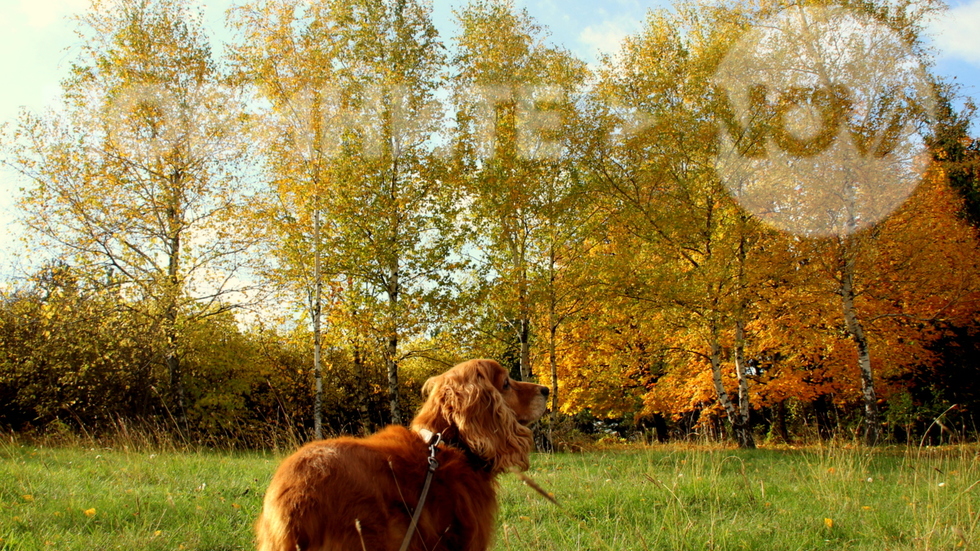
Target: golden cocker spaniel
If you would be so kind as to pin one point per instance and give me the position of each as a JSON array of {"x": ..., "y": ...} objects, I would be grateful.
[{"x": 359, "y": 494}]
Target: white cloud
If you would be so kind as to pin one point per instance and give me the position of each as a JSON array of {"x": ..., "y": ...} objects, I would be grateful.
[
  {"x": 956, "y": 32},
  {"x": 607, "y": 37}
]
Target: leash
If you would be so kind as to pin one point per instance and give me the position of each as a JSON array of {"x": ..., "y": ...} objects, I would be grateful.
[{"x": 432, "y": 440}]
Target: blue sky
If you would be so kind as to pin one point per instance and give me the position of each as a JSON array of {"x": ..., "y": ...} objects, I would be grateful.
[
  {"x": 38, "y": 42},
  {"x": 38, "y": 45}
]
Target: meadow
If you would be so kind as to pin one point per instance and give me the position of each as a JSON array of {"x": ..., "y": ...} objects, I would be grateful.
[{"x": 672, "y": 497}]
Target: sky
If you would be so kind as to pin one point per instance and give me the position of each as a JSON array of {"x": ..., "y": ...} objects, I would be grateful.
[{"x": 38, "y": 44}]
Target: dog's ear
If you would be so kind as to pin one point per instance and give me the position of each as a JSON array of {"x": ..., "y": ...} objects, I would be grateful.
[
  {"x": 484, "y": 422},
  {"x": 432, "y": 414}
]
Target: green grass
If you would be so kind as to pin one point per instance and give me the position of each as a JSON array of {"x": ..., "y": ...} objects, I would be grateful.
[
  {"x": 92, "y": 499},
  {"x": 671, "y": 498},
  {"x": 840, "y": 499}
]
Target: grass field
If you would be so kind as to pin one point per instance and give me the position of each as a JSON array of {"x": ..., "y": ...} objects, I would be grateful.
[{"x": 666, "y": 498}]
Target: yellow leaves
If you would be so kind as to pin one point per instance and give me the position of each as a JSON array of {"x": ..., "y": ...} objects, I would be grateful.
[
  {"x": 829, "y": 523},
  {"x": 28, "y": 497},
  {"x": 90, "y": 512}
]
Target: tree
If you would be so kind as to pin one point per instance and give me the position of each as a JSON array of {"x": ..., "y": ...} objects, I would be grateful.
[
  {"x": 516, "y": 108},
  {"x": 396, "y": 214},
  {"x": 955, "y": 151},
  {"x": 292, "y": 65},
  {"x": 356, "y": 82},
  {"x": 898, "y": 283},
  {"x": 138, "y": 178},
  {"x": 653, "y": 156},
  {"x": 826, "y": 140}
]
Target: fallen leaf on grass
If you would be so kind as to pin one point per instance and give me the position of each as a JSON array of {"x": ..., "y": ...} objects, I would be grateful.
[{"x": 961, "y": 535}]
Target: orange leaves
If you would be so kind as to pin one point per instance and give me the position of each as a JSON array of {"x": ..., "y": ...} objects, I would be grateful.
[{"x": 914, "y": 274}]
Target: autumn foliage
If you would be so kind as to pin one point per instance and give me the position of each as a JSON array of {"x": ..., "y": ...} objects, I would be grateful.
[{"x": 347, "y": 202}]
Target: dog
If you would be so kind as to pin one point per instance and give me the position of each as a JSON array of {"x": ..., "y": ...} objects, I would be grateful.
[{"x": 360, "y": 494}]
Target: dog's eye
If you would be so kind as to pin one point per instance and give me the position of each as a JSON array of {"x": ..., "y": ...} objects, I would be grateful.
[{"x": 507, "y": 384}]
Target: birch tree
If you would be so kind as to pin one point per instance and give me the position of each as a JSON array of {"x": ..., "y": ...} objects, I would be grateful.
[
  {"x": 834, "y": 100},
  {"x": 287, "y": 53},
  {"x": 516, "y": 103},
  {"x": 137, "y": 178},
  {"x": 358, "y": 79},
  {"x": 653, "y": 157},
  {"x": 397, "y": 216}
]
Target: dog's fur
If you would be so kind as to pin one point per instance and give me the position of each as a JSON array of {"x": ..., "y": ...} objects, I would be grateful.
[{"x": 352, "y": 494}]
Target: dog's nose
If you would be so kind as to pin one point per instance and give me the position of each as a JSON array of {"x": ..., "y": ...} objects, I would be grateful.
[{"x": 544, "y": 391}]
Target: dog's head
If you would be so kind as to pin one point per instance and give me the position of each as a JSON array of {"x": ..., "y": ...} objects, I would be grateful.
[{"x": 480, "y": 406}]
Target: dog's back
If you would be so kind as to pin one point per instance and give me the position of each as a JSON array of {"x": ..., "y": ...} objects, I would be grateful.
[
  {"x": 349, "y": 494},
  {"x": 326, "y": 496}
]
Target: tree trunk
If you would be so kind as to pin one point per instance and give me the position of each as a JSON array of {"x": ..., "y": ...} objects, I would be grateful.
[
  {"x": 553, "y": 322},
  {"x": 660, "y": 428},
  {"x": 518, "y": 253},
  {"x": 525, "y": 338},
  {"x": 524, "y": 330},
  {"x": 391, "y": 352},
  {"x": 855, "y": 330},
  {"x": 317, "y": 336},
  {"x": 740, "y": 425},
  {"x": 821, "y": 412},
  {"x": 393, "y": 395},
  {"x": 553, "y": 363},
  {"x": 744, "y": 428},
  {"x": 363, "y": 410},
  {"x": 781, "y": 427},
  {"x": 172, "y": 297},
  {"x": 743, "y": 382}
]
